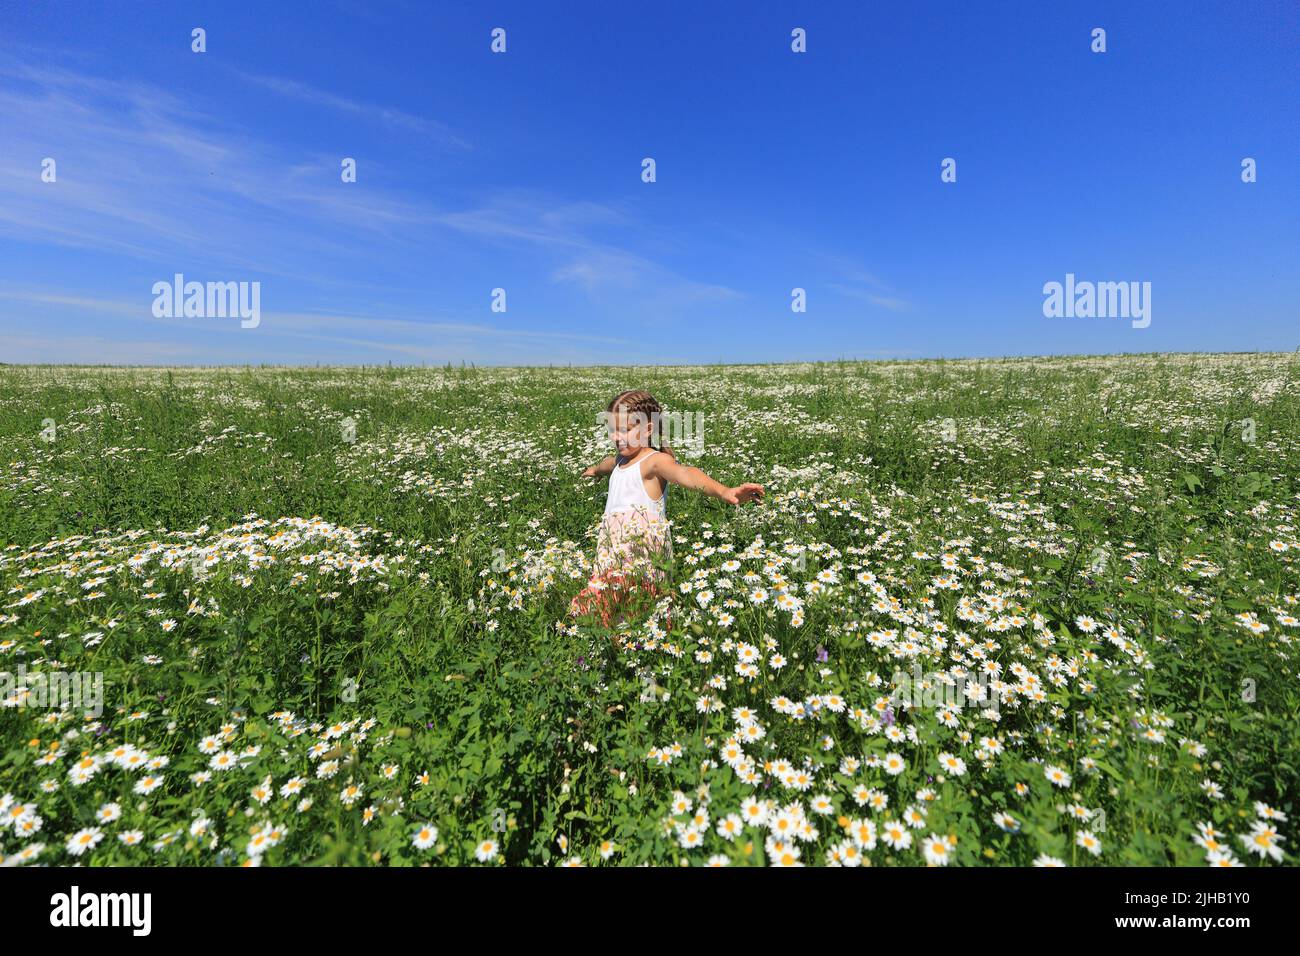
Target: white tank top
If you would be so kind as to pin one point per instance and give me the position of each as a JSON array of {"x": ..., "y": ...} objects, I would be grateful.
[{"x": 627, "y": 490}]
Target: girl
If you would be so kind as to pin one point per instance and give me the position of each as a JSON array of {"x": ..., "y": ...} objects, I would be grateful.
[{"x": 634, "y": 541}]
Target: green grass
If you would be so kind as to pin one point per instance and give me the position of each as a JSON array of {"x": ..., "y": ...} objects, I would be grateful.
[{"x": 422, "y": 613}]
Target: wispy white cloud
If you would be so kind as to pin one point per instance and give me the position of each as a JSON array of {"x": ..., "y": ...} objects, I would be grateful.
[
  {"x": 383, "y": 114},
  {"x": 128, "y": 332},
  {"x": 147, "y": 176},
  {"x": 594, "y": 265},
  {"x": 597, "y": 270},
  {"x": 105, "y": 350},
  {"x": 892, "y": 303},
  {"x": 293, "y": 323},
  {"x": 114, "y": 306},
  {"x": 859, "y": 283},
  {"x": 140, "y": 174}
]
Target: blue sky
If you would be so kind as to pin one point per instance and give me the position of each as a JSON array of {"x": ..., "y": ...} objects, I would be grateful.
[{"x": 522, "y": 171}]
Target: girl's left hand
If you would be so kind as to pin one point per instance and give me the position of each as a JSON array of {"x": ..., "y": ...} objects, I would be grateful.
[{"x": 741, "y": 494}]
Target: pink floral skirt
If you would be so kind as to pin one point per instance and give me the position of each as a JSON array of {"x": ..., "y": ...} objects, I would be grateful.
[{"x": 631, "y": 548}]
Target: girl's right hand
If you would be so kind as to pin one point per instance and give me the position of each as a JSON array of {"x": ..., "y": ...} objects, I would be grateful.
[
  {"x": 590, "y": 472},
  {"x": 743, "y": 493}
]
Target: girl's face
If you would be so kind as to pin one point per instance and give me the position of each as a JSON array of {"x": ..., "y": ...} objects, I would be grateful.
[{"x": 629, "y": 431}]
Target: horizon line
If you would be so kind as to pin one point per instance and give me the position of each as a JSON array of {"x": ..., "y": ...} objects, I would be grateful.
[{"x": 193, "y": 366}]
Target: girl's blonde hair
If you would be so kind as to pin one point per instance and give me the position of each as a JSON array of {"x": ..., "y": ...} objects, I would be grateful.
[{"x": 640, "y": 401}]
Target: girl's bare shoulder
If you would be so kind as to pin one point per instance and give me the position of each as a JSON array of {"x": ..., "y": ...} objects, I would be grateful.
[{"x": 660, "y": 460}]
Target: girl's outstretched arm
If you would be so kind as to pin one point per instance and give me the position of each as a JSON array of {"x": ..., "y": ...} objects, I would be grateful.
[
  {"x": 603, "y": 467},
  {"x": 688, "y": 476}
]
